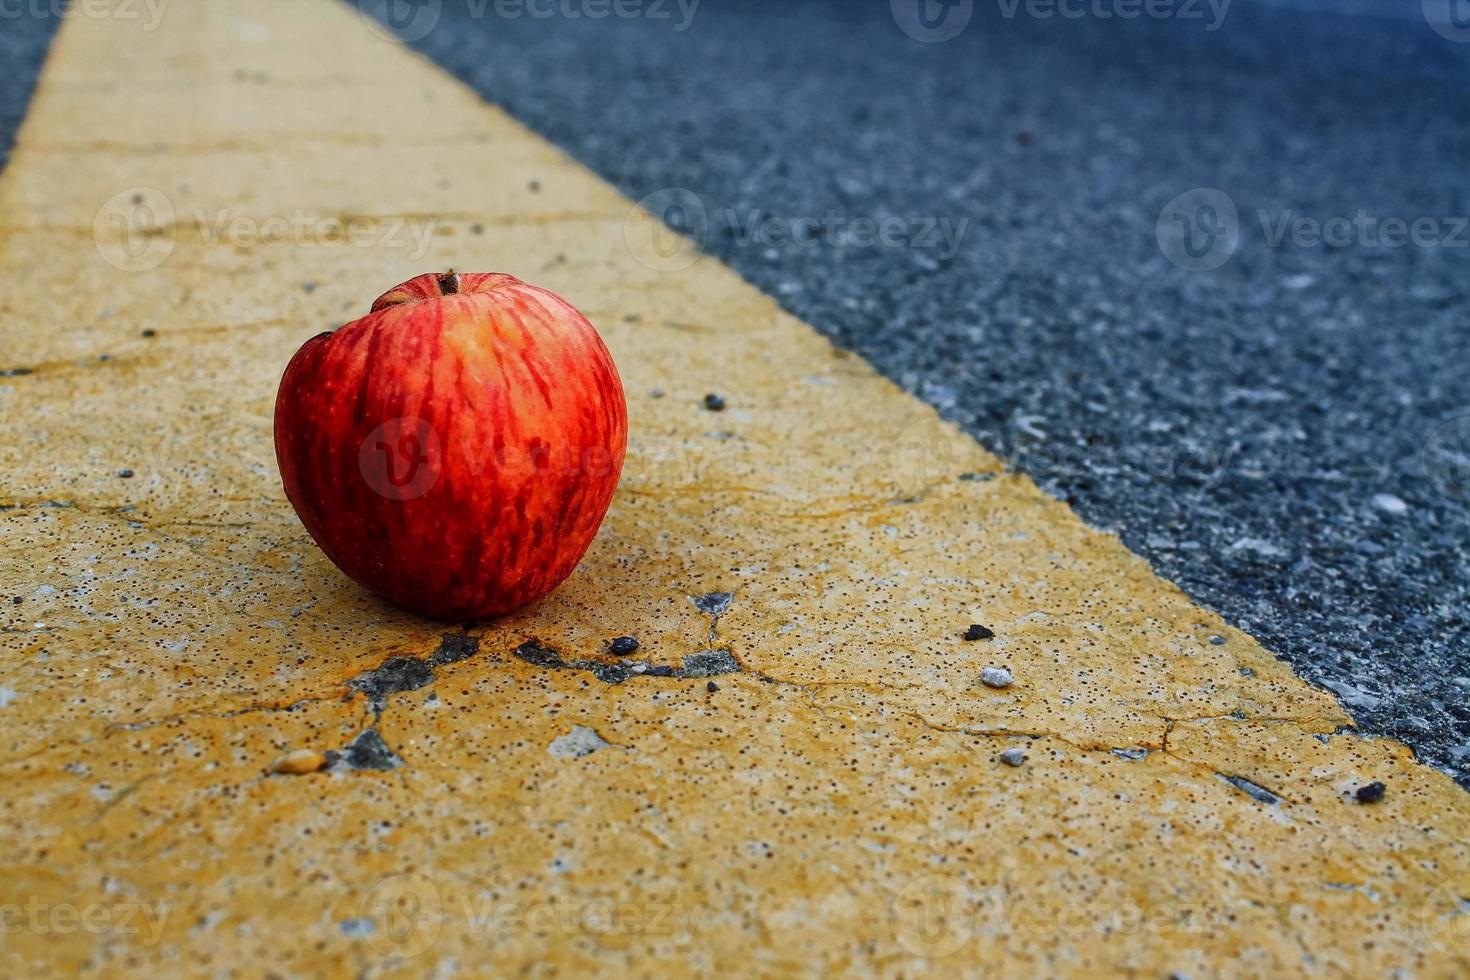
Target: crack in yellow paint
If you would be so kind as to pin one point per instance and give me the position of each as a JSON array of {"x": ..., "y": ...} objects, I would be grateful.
[{"x": 836, "y": 807}]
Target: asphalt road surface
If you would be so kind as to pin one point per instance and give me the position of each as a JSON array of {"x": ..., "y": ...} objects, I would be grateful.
[
  {"x": 1206, "y": 277},
  {"x": 23, "y": 42}
]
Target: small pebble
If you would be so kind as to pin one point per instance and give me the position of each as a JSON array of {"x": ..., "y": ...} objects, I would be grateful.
[
  {"x": 1218, "y": 640},
  {"x": 580, "y": 741},
  {"x": 624, "y": 646},
  {"x": 713, "y": 603},
  {"x": 17, "y": 600},
  {"x": 1013, "y": 757},
  {"x": 150, "y": 332},
  {"x": 711, "y": 687},
  {"x": 996, "y": 677},
  {"x": 656, "y": 393},
  {"x": 535, "y": 186},
  {"x": 714, "y": 403},
  {"x": 1371, "y": 793},
  {"x": 356, "y": 928},
  {"x": 125, "y": 474},
  {"x": 661, "y": 671},
  {"x": 978, "y": 632},
  {"x": 300, "y": 762},
  {"x": 1390, "y": 504}
]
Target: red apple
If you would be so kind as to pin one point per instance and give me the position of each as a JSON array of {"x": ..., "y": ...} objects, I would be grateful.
[{"x": 456, "y": 449}]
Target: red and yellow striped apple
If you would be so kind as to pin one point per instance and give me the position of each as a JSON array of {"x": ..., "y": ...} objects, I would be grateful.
[{"x": 455, "y": 450}]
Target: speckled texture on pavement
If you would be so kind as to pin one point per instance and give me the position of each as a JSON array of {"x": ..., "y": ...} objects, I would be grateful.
[
  {"x": 219, "y": 756},
  {"x": 1248, "y": 428}
]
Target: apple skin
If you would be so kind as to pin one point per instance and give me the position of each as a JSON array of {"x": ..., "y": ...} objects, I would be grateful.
[{"x": 455, "y": 450}]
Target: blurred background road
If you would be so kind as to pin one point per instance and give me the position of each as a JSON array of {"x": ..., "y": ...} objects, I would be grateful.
[
  {"x": 1203, "y": 273},
  {"x": 24, "y": 37}
]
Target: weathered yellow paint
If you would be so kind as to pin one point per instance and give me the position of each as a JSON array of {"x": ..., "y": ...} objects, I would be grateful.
[{"x": 836, "y": 807}]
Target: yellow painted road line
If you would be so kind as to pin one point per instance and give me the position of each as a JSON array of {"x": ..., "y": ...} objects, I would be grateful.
[{"x": 186, "y": 205}]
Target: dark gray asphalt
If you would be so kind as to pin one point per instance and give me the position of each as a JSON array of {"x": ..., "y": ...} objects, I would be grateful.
[
  {"x": 24, "y": 39},
  {"x": 1256, "y": 430}
]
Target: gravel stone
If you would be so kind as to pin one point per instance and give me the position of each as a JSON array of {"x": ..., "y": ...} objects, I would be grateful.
[
  {"x": 1371, "y": 793},
  {"x": 1390, "y": 504},
  {"x": 996, "y": 677},
  {"x": 623, "y": 646},
  {"x": 580, "y": 741}
]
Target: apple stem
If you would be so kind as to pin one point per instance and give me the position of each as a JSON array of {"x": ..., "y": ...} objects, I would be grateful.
[{"x": 449, "y": 283}]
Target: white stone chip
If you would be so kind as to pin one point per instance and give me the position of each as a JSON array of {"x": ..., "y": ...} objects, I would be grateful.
[
  {"x": 580, "y": 741},
  {"x": 1390, "y": 504},
  {"x": 996, "y": 677}
]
